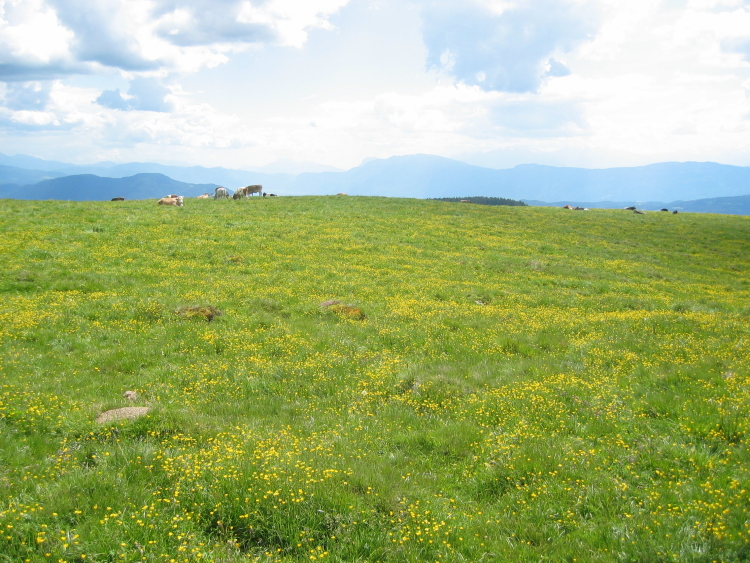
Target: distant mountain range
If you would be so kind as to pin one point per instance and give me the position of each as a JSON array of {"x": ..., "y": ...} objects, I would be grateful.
[
  {"x": 429, "y": 176},
  {"x": 38, "y": 169},
  {"x": 419, "y": 176},
  {"x": 85, "y": 187}
]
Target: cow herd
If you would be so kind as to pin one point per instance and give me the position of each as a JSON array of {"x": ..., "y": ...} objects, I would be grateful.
[
  {"x": 632, "y": 208},
  {"x": 219, "y": 193},
  {"x": 239, "y": 193}
]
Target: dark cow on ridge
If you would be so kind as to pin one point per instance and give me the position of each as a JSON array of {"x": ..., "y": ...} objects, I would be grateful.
[{"x": 118, "y": 199}]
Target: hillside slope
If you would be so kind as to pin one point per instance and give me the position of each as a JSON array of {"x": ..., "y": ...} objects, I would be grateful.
[{"x": 372, "y": 379}]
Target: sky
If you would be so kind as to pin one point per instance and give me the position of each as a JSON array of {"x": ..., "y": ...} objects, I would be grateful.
[{"x": 244, "y": 83}]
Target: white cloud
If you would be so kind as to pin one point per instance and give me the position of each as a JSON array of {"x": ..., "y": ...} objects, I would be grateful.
[
  {"x": 27, "y": 95},
  {"x": 650, "y": 80},
  {"x": 508, "y": 44},
  {"x": 291, "y": 19},
  {"x": 145, "y": 94},
  {"x": 62, "y": 37},
  {"x": 33, "y": 42}
]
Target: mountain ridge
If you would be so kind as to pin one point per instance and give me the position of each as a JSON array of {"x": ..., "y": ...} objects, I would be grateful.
[
  {"x": 87, "y": 187},
  {"x": 431, "y": 176}
]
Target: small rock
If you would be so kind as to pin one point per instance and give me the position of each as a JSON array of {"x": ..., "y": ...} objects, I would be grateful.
[
  {"x": 330, "y": 303},
  {"x": 130, "y": 395},
  {"x": 123, "y": 413},
  {"x": 207, "y": 312},
  {"x": 349, "y": 311}
]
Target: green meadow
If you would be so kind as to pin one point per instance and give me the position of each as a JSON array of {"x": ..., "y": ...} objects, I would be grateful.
[{"x": 497, "y": 383}]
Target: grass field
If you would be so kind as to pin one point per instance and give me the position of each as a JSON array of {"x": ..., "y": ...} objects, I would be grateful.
[{"x": 527, "y": 384}]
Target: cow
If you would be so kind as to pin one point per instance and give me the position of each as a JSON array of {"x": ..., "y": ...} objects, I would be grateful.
[
  {"x": 204, "y": 196},
  {"x": 341, "y": 193},
  {"x": 568, "y": 207},
  {"x": 465, "y": 201},
  {"x": 221, "y": 193},
  {"x": 639, "y": 212},
  {"x": 176, "y": 201},
  {"x": 629, "y": 208},
  {"x": 249, "y": 190},
  {"x": 272, "y": 195},
  {"x": 675, "y": 212},
  {"x": 665, "y": 209},
  {"x": 118, "y": 199},
  {"x": 172, "y": 195}
]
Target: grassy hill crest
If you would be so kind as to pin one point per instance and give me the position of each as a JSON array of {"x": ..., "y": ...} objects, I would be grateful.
[{"x": 522, "y": 383}]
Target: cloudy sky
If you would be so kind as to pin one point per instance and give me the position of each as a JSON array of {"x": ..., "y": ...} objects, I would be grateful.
[{"x": 242, "y": 83}]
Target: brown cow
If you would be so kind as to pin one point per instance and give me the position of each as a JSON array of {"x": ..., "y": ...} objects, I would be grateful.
[
  {"x": 204, "y": 196},
  {"x": 249, "y": 190},
  {"x": 176, "y": 201}
]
